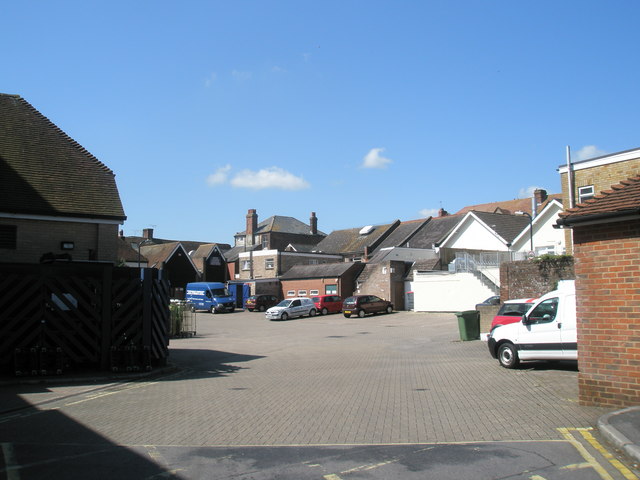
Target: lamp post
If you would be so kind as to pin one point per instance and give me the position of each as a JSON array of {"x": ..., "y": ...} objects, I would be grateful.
[
  {"x": 139, "y": 245},
  {"x": 520, "y": 212}
]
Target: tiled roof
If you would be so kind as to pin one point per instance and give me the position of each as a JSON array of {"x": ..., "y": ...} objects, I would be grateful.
[
  {"x": 507, "y": 226},
  {"x": 127, "y": 253},
  {"x": 43, "y": 171},
  {"x": 622, "y": 199},
  {"x": 402, "y": 233},
  {"x": 232, "y": 254},
  {"x": 510, "y": 206},
  {"x": 323, "y": 270},
  {"x": 435, "y": 231},
  {"x": 280, "y": 224},
  {"x": 350, "y": 241}
]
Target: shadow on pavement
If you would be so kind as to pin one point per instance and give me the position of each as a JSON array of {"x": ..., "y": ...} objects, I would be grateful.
[{"x": 41, "y": 444}]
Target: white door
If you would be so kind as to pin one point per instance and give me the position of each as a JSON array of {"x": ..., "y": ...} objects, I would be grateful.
[{"x": 540, "y": 338}]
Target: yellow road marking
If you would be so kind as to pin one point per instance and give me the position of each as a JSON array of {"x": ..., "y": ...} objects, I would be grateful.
[
  {"x": 626, "y": 473},
  {"x": 585, "y": 454}
]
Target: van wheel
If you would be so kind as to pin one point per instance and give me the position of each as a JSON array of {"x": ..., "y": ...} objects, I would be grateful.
[
  {"x": 361, "y": 313},
  {"x": 324, "y": 311},
  {"x": 508, "y": 356},
  {"x": 284, "y": 316},
  {"x": 212, "y": 310}
]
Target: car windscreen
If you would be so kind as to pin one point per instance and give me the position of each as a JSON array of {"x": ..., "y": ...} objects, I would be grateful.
[
  {"x": 315, "y": 299},
  {"x": 284, "y": 303},
  {"x": 219, "y": 292},
  {"x": 514, "y": 309},
  {"x": 350, "y": 300}
]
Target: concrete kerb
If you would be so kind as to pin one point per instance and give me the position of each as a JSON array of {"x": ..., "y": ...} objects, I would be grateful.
[{"x": 616, "y": 437}]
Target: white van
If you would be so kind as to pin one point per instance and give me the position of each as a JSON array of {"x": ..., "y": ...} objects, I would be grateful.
[{"x": 546, "y": 332}]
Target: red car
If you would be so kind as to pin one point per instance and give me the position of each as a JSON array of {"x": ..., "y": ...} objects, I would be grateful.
[
  {"x": 328, "y": 303},
  {"x": 512, "y": 311}
]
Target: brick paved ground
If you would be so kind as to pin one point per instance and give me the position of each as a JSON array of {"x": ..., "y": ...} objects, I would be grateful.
[{"x": 399, "y": 378}]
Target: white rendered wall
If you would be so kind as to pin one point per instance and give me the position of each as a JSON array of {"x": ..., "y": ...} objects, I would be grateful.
[{"x": 446, "y": 292}]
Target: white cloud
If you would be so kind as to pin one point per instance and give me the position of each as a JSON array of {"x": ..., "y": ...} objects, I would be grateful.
[
  {"x": 272, "y": 177},
  {"x": 239, "y": 75},
  {"x": 210, "y": 79},
  {"x": 219, "y": 176},
  {"x": 374, "y": 159},
  {"x": 429, "y": 212},
  {"x": 527, "y": 192},
  {"x": 588, "y": 151}
]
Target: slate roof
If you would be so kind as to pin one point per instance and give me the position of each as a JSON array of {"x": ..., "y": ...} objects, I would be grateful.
[
  {"x": 621, "y": 200},
  {"x": 350, "y": 241},
  {"x": 507, "y": 226},
  {"x": 156, "y": 254},
  {"x": 435, "y": 231},
  {"x": 509, "y": 206},
  {"x": 127, "y": 253},
  {"x": 232, "y": 254},
  {"x": 43, "y": 171},
  {"x": 323, "y": 270},
  {"x": 281, "y": 224},
  {"x": 403, "y": 233}
]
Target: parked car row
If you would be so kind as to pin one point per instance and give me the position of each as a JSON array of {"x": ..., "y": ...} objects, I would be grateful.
[{"x": 359, "y": 305}]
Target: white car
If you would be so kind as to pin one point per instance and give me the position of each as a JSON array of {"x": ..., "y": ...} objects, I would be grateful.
[{"x": 291, "y": 308}]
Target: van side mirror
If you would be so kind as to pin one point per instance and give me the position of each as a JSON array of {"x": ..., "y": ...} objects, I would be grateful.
[{"x": 525, "y": 320}]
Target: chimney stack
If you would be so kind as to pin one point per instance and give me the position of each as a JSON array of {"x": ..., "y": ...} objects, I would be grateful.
[
  {"x": 252, "y": 226},
  {"x": 147, "y": 233},
  {"x": 442, "y": 213},
  {"x": 540, "y": 195},
  {"x": 313, "y": 223}
]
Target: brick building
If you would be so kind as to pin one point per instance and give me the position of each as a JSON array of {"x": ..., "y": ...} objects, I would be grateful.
[
  {"x": 606, "y": 236},
  {"x": 581, "y": 180},
  {"x": 327, "y": 279},
  {"x": 56, "y": 199}
]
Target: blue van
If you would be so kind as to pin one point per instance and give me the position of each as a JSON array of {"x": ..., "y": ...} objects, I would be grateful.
[{"x": 211, "y": 296}]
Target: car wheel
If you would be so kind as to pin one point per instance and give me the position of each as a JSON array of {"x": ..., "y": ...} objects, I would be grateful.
[
  {"x": 361, "y": 313},
  {"x": 284, "y": 316},
  {"x": 508, "y": 356},
  {"x": 262, "y": 308},
  {"x": 346, "y": 315},
  {"x": 324, "y": 311},
  {"x": 193, "y": 309},
  {"x": 389, "y": 309}
]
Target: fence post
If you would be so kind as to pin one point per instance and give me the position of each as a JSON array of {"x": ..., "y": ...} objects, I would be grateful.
[{"x": 107, "y": 290}]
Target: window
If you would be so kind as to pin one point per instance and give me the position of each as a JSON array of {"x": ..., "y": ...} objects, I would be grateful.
[
  {"x": 545, "y": 312},
  {"x": 314, "y": 292},
  {"x": 291, "y": 293},
  {"x": 8, "y": 236},
  {"x": 331, "y": 289},
  {"x": 246, "y": 264},
  {"x": 313, "y": 261},
  {"x": 302, "y": 293},
  {"x": 384, "y": 270},
  {"x": 585, "y": 193},
  {"x": 265, "y": 242},
  {"x": 269, "y": 263}
]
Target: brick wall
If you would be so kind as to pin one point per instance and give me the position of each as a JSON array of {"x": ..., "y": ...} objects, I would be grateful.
[
  {"x": 601, "y": 177},
  {"x": 608, "y": 308},
  {"x": 92, "y": 241},
  {"x": 318, "y": 284},
  {"x": 382, "y": 279},
  {"x": 528, "y": 278}
]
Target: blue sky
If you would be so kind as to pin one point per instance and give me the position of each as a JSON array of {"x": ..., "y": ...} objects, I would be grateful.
[{"x": 362, "y": 111}]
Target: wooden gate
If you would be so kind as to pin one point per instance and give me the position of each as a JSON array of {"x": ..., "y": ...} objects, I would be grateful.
[{"x": 62, "y": 316}]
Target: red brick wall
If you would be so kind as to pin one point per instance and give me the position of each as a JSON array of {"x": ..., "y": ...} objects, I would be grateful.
[{"x": 607, "y": 266}]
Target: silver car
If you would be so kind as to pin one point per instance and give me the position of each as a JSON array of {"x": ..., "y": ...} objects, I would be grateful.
[{"x": 291, "y": 308}]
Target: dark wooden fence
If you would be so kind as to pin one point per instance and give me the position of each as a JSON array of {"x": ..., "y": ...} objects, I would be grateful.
[{"x": 61, "y": 317}]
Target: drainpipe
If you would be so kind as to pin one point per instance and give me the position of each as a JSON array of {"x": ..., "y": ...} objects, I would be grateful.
[{"x": 570, "y": 178}]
